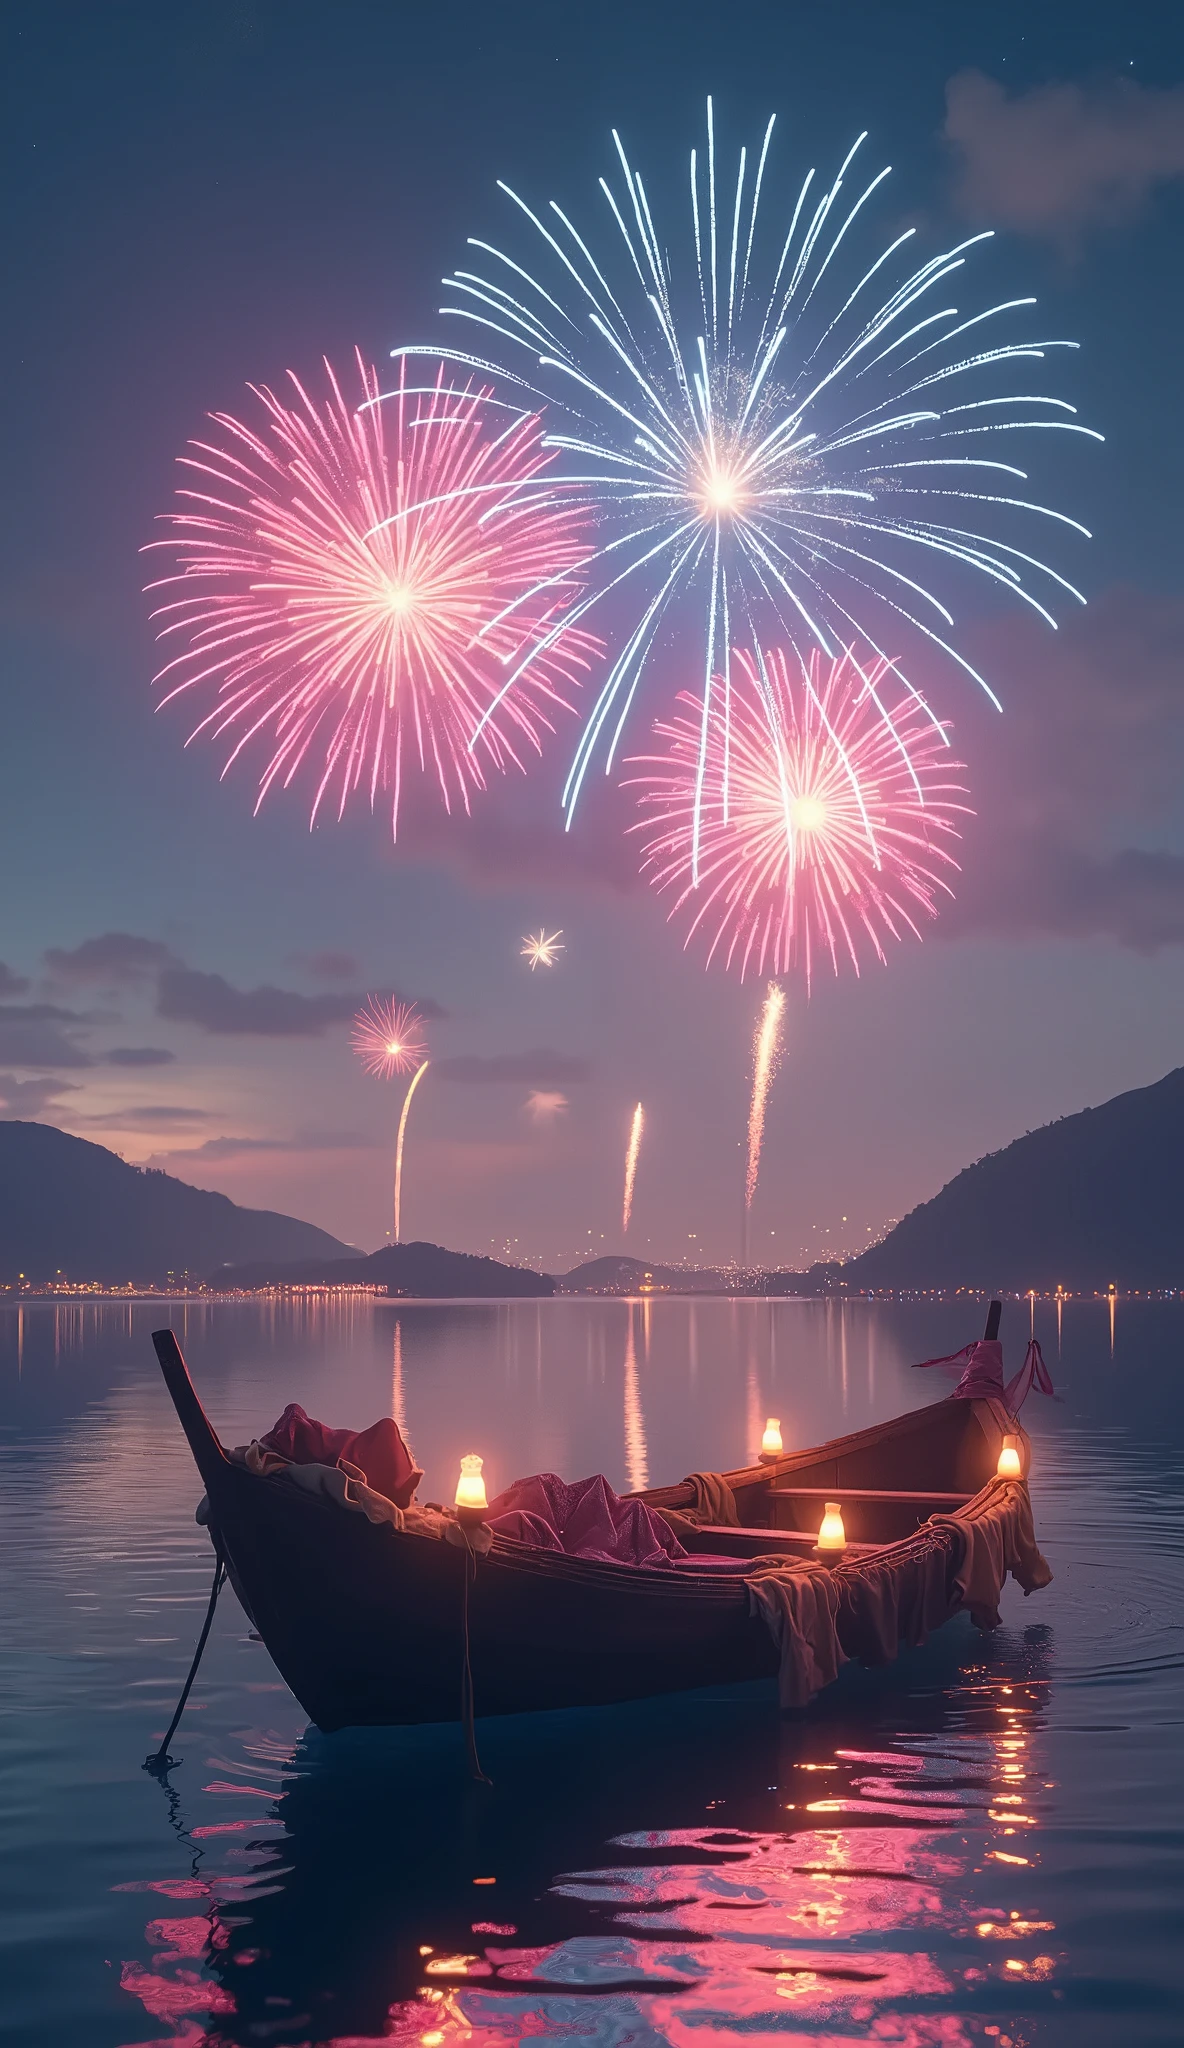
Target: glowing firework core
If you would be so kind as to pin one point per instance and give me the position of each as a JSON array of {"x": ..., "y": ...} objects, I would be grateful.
[
  {"x": 542, "y": 949},
  {"x": 388, "y": 1037}
]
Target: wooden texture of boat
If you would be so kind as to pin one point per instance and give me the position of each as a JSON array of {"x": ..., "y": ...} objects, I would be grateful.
[{"x": 365, "y": 1623}]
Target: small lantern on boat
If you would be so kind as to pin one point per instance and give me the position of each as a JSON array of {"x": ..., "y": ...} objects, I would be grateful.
[
  {"x": 470, "y": 1489},
  {"x": 1010, "y": 1465},
  {"x": 832, "y": 1535},
  {"x": 771, "y": 1445}
]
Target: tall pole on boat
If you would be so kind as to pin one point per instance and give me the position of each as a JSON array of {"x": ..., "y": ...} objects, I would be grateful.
[{"x": 992, "y": 1330}]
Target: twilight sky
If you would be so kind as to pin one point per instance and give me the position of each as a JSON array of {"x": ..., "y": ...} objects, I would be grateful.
[{"x": 201, "y": 194}]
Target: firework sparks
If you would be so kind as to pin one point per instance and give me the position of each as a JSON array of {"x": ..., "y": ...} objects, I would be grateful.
[
  {"x": 766, "y": 1058},
  {"x": 388, "y": 1036},
  {"x": 355, "y": 586},
  {"x": 412, "y": 1085},
  {"x": 631, "y": 1152},
  {"x": 826, "y": 821},
  {"x": 783, "y": 427},
  {"x": 542, "y": 949}
]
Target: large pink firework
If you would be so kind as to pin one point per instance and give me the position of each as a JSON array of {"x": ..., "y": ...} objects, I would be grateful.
[
  {"x": 356, "y": 587},
  {"x": 827, "y": 812}
]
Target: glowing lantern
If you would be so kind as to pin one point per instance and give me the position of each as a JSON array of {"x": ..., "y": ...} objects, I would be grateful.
[
  {"x": 1010, "y": 1465},
  {"x": 832, "y": 1535},
  {"x": 771, "y": 1445},
  {"x": 470, "y": 1487}
]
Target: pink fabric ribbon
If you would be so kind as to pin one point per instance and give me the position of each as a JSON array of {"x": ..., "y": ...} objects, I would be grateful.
[{"x": 981, "y": 1366}]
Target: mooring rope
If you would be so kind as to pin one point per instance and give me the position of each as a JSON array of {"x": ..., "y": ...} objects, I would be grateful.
[{"x": 160, "y": 1760}]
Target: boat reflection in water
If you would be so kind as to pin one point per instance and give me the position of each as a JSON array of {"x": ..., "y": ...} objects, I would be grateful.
[{"x": 664, "y": 1871}]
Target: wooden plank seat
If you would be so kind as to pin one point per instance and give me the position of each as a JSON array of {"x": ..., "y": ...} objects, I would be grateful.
[{"x": 871, "y": 1514}]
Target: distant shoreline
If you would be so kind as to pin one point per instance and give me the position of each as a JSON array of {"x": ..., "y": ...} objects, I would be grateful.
[{"x": 13, "y": 1293}]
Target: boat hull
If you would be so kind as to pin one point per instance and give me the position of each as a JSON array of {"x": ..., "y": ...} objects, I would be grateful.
[{"x": 365, "y": 1623}]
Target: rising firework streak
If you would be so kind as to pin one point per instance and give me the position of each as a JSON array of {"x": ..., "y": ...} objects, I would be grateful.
[
  {"x": 766, "y": 1058},
  {"x": 784, "y": 426},
  {"x": 631, "y": 1152},
  {"x": 412, "y": 1085},
  {"x": 353, "y": 587}
]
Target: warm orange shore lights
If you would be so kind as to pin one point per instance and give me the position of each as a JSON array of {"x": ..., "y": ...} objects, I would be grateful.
[
  {"x": 771, "y": 1445},
  {"x": 470, "y": 1487},
  {"x": 832, "y": 1535},
  {"x": 1010, "y": 1465}
]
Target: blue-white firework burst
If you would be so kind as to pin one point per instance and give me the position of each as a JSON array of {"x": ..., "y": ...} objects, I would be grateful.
[{"x": 783, "y": 436}]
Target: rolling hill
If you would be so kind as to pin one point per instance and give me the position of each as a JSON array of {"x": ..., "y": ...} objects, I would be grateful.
[
  {"x": 1095, "y": 1198},
  {"x": 70, "y": 1207}
]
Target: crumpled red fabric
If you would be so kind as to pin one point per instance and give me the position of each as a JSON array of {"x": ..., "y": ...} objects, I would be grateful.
[
  {"x": 379, "y": 1452},
  {"x": 584, "y": 1519}
]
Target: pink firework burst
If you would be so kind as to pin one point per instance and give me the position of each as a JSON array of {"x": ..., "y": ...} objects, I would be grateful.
[
  {"x": 367, "y": 592},
  {"x": 827, "y": 812},
  {"x": 388, "y": 1037}
]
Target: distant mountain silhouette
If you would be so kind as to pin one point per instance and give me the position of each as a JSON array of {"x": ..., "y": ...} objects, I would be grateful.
[
  {"x": 616, "y": 1273},
  {"x": 425, "y": 1270},
  {"x": 1095, "y": 1198},
  {"x": 73, "y": 1208}
]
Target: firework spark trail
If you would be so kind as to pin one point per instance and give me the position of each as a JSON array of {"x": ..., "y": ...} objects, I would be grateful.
[
  {"x": 351, "y": 586},
  {"x": 412, "y": 1085},
  {"x": 388, "y": 1036},
  {"x": 779, "y": 432},
  {"x": 828, "y": 810},
  {"x": 766, "y": 1058},
  {"x": 631, "y": 1152}
]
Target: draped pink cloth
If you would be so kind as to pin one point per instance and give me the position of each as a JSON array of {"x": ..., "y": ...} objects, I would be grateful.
[
  {"x": 584, "y": 1519},
  {"x": 379, "y": 1452},
  {"x": 982, "y": 1373}
]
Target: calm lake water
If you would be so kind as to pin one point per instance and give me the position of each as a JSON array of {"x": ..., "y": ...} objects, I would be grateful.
[{"x": 982, "y": 1843}]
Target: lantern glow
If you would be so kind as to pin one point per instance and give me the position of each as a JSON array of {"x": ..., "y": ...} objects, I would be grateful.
[
  {"x": 1010, "y": 1465},
  {"x": 771, "y": 1445},
  {"x": 470, "y": 1487},
  {"x": 831, "y": 1534}
]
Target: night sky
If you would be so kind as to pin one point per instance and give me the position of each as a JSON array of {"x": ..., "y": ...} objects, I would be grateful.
[{"x": 198, "y": 195}]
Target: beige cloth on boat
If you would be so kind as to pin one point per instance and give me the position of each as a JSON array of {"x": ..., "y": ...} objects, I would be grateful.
[
  {"x": 343, "y": 1484},
  {"x": 800, "y": 1604},
  {"x": 895, "y": 1597},
  {"x": 993, "y": 1545},
  {"x": 714, "y": 1502}
]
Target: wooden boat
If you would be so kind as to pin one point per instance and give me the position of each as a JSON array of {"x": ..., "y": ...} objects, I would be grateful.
[{"x": 366, "y": 1623}]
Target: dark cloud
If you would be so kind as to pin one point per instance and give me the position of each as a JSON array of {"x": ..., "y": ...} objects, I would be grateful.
[
  {"x": 1077, "y": 786},
  {"x": 41, "y": 1035},
  {"x": 539, "y": 1068},
  {"x": 1061, "y": 158},
  {"x": 186, "y": 996},
  {"x": 20, "y": 1099},
  {"x": 139, "y": 1056},
  {"x": 152, "y": 1116},
  {"x": 515, "y": 834},
  {"x": 233, "y": 1148},
  {"x": 328, "y": 966},
  {"x": 112, "y": 957},
  {"x": 11, "y": 984}
]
